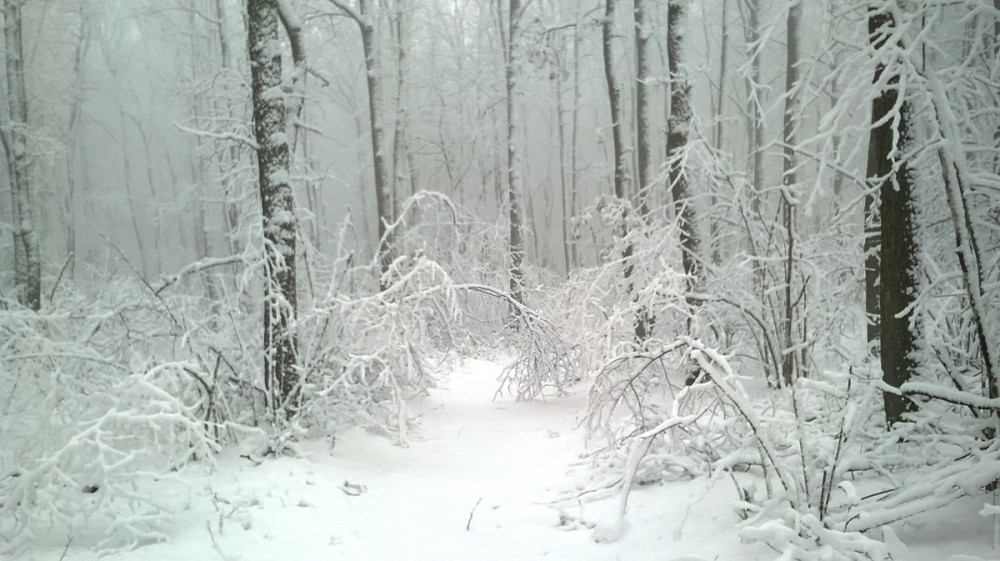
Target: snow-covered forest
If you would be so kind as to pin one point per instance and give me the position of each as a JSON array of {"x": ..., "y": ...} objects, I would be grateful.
[{"x": 500, "y": 279}]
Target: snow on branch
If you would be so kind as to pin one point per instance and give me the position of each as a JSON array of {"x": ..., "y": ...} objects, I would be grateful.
[
  {"x": 242, "y": 139},
  {"x": 950, "y": 395}
]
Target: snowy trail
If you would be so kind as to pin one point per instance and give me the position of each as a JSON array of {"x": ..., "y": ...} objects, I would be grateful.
[{"x": 501, "y": 461}]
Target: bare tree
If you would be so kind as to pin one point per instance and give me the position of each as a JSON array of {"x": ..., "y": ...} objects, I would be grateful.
[{"x": 277, "y": 207}]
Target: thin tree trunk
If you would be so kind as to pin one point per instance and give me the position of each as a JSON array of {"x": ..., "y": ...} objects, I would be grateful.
[
  {"x": 69, "y": 198},
  {"x": 563, "y": 195},
  {"x": 645, "y": 320},
  {"x": 514, "y": 178},
  {"x": 383, "y": 203},
  {"x": 789, "y": 180},
  {"x": 614, "y": 98},
  {"x": 365, "y": 20},
  {"x": 643, "y": 112},
  {"x": 755, "y": 104},
  {"x": 720, "y": 101},
  {"x": 574, "y": 170},
  {"x": 230, "y": 210},
  {"x": 401, "y": 154},
  {"x": 27, "y": 257},
  {"x": 970, "y": 257},
  {"x": 130, "y": 196},
  {"x": 639, "y": 322},
  {"x": 277, "y": 208}
]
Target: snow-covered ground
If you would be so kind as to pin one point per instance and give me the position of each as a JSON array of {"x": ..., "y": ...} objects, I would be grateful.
[{"x": 483, "y": 479}]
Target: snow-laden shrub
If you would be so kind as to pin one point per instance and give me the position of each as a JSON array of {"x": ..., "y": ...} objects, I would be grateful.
[
  {"x": 799, "y": 456},
  {"x": 473, "y": 315},
  {"x": 84, "y": 427},
  {"x": 369, "y": 337},
  {"x": 367, "y": 353},
  {"x": 587, "y": 321}
]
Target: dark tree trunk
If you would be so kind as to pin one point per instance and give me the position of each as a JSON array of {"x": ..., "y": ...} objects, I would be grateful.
[
  {"x": 679, "y": 123},
  {"x": 890, "y": 257},
  {"x": 277, "y": 209}
]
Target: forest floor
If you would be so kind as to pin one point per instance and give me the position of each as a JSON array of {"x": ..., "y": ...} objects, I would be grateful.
[{"x": 482, "y": 479}]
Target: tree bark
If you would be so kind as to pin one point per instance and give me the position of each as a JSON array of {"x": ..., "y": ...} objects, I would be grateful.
[
  {"x": 755, "y": 103},
  {"x": 383, "y": 203},
  {"x": 644, "y": 133},
  {"x": 641, "y": 323},
  {"x": 402, "y": 157},
  {"x": 679, "y": 123},
  {"x": 563, "y": 194},
  {"x": 277, "y": 208},
  {"x": 892, "y": 262},
  {"x": 514, "y": 179},
  {"x": 383, "y": 189},
  {"x": 614, "y": 99},
  {"x": 789, "y": 199},
  {"x": 27, "y": 257},
  {"x": 574, "y": 134}
]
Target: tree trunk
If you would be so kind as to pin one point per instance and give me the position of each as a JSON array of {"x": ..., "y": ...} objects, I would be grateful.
[
  {"x": 400, "y": 152},
  {"x": 789, "y": 198},
  {"x": 27, "y": 257},
  {"x": 893, "y": 260},
  {"x": 644, "y": 133},
  {"x": 277, "y": 208},
  {"x": 644, "y": 139},
  {"x": 561, "y": 131},
  {"x": 574, "y": 134},
  {"x": 720, "y": 101},
  {"x": 614, "y": 99},
  {"x": 514, "y": 178},
  {"x": 640, "y": 322},
  {"x": 755, "y": 104},
  {"x": 383, "y": 203},
  {"x": 679, "y": 123}
]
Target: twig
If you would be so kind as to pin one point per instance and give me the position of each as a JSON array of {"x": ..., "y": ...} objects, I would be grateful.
[
  {"x": 471, "y": 513},
  {"x": 66, "y": 549},
  {"x": 220, "y": 135},
  {"x": 59, "y": 278}
]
